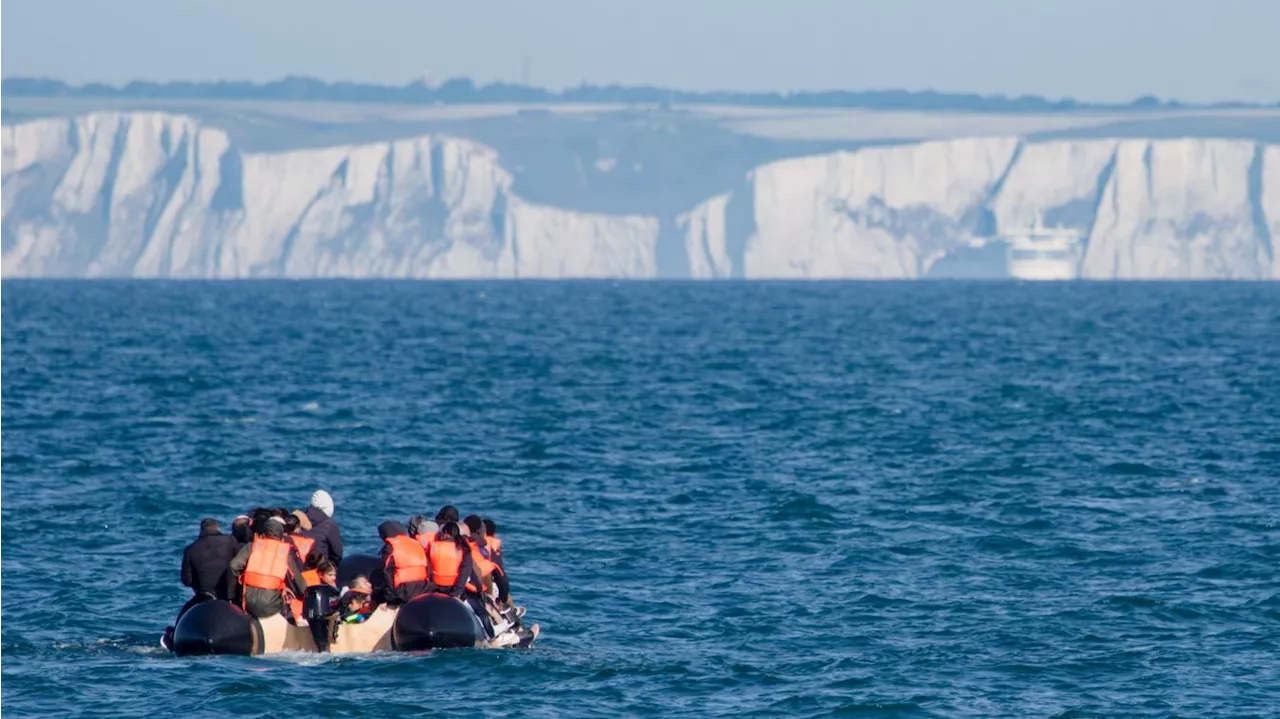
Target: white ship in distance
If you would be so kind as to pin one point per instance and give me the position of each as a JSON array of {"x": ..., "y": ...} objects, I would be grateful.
[{"x": 1040, "y": 253}]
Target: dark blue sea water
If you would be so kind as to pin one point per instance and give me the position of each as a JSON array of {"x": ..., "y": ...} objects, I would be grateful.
[{"x": 718, "y": 499}]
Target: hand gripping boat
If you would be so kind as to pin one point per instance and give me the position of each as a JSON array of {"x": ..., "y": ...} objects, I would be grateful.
[{"x": 429, "y": 621}]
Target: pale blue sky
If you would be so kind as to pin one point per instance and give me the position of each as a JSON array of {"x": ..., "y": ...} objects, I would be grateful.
[{"x": 1101, "y": 50}]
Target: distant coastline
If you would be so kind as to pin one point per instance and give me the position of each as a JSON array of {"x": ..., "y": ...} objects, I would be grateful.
[{"x": 465, "y": 91}]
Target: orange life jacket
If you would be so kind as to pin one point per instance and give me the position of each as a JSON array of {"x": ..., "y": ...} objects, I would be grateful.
[
  {"x": 446, "y": 563},
  {"x": 410, "y": 558},
  {"x": 484, "y": 565},
  {"x": 312, "y": 578},
  {"x": 268, "y": 564},
  {"x": 304, "y": 544}
]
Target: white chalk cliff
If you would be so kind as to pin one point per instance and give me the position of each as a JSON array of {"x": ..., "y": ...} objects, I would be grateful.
[
  {"x": 159, "y": 195},
  {"x": 155, "y": 195}
]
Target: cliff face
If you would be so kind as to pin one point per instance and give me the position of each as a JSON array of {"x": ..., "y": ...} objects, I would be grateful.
[
  {"x": 1177, "y": 209},
  {"x": 158, "y": 195},
  {"x": 152, "y": 195}
]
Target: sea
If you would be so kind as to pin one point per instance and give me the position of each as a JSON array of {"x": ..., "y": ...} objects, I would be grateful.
[{"x": 939, "y": 499}]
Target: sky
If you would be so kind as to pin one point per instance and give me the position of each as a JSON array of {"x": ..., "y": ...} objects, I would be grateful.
[{"x": 1094, "y": 50}]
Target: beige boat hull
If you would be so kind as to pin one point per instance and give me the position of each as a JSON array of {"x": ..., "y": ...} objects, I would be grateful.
[{"x": 371, "y": 635}]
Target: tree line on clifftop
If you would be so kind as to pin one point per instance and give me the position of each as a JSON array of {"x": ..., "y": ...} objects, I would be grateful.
[{"x": 462, "y": 91}]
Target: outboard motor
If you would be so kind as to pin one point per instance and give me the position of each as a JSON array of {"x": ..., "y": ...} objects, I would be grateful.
[
  {"x": 435, "y": 621},
  {"x": 319, "y": 604},
  {"x": 216, "y": 627}
]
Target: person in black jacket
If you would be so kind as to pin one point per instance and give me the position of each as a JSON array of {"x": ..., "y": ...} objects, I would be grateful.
[
  {"x": 241, "y": 530},
  {"x": 205, "y": 561},
  {"x": 325, "y": 532}
]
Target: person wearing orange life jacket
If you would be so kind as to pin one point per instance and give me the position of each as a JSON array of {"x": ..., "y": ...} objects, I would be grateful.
[
  {"x": 495, "y": 542},
  {"x": 316, "y": 570},
  {"x": 295, "y": 524},
  {"x": 484, "y": 559},
  {"x": 266, "y": 568},
  {"x": 404, "y": 564},
  {"x": 422, "y": 529},
  {"x": 450, "y": 567}
]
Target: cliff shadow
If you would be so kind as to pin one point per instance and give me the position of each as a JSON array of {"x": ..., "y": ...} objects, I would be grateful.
[{"x": 740, "y": 224}]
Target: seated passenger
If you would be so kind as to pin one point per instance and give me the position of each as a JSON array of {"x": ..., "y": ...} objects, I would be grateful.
[
  {"x": 495, "y": 543},
  {"x": 356, "y": 603},
  {"x": 487, "y": 569},
  {"x": 240, "y": 529},
  {"x": 324, "y": 530},
  {"x": 295, "y": 525},
  {"x": 422, "y": 529},
  {"x": 316, "y": 570},
  {"x": 404, "y": 564},
  {"x": 267, "y": 570},
  {"x": 320, "y": 571},
  {"x": 450, "y": 568}
]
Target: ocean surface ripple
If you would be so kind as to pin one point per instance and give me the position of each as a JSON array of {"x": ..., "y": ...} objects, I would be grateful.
[{"x": 733, "y": 499}]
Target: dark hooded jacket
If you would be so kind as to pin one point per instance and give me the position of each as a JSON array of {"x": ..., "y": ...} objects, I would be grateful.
[
  {"x": 205, "y": 562},
  {"x": 392, "y": 594},
  {"x": 326, "y": 534},
  {"x": 266, "y": 602}
]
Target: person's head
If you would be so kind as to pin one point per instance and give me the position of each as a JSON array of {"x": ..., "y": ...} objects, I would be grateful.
[
  {"x": 290, "y": 524},
  {"x": 359, "y": 593},
  {"x": 304, "y": 522},
  {"x": 209, "y": 525},
  {"x": 389, "y": 529},
  {"x": 258, "y": 519},
  {"x": 273, "y": 527},
  {"x": 323, "y": 567},
  {"x": 447, "y": 513},
  {"x": 321, "y": 500},
  {"x": 420, "y": 526},
  {"x": 490, "y": 528},
  {"x": 475, "y": 526},
  {"x": 448, "y": 530},
  {"x": 240, "y": 529}
]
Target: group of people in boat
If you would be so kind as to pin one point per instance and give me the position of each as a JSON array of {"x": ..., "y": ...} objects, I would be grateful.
[{"x": 273, "y": 558}]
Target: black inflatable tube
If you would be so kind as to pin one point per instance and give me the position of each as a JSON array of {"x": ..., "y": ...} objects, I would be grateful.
[
  {"x": 435, "y": 621},
  {"x": 430, "y": 621},
  {"x": 216, "y": 627}
]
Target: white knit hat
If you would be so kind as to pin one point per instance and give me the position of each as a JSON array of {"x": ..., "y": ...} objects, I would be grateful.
[{"x": 323, "y": 502}]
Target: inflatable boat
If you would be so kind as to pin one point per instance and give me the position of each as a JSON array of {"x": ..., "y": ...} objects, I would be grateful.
[{"x": 429, "y": 621}]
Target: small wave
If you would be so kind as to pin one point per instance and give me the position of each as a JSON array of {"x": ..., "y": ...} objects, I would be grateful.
[
  {"x": 1002, "y": 544},
  {"x": 804, "y": 508},
  {"x": 1135, "y": 469},
  {"x": 1124, "y": 600}
]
